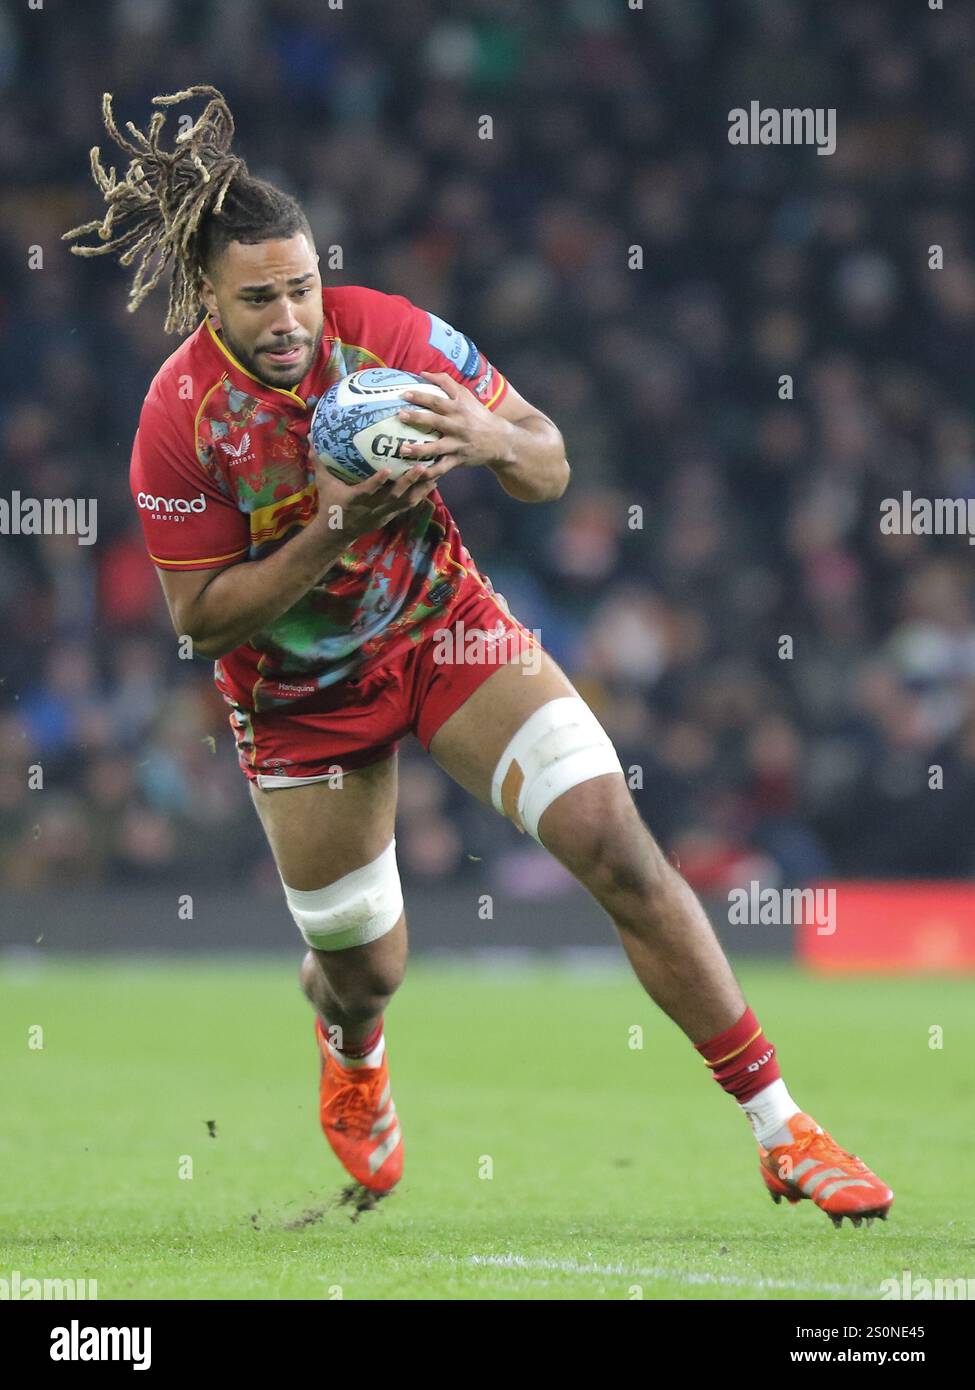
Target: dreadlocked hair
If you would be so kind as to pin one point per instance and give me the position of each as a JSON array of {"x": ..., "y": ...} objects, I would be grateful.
[{"x": 181, "y": 207}]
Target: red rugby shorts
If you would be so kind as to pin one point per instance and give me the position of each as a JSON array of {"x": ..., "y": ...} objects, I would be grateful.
[{"x": 361, "y": 721}]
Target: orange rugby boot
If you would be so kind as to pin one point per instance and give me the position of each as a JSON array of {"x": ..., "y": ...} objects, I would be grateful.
[
  {"x": 815, "y": 1166},
  {"x": 359, "y": 1119}
]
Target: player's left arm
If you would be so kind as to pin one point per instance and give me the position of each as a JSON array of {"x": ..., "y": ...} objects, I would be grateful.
[{"x": 522, "y": 447}]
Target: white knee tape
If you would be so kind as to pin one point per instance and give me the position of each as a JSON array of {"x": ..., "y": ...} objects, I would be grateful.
[
  {"x": 360, "y": 907},
  {"x": 557, "y": 747}
]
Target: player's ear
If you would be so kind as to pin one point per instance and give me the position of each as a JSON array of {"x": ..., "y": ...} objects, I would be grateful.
[{"x": 208, "y": 296}]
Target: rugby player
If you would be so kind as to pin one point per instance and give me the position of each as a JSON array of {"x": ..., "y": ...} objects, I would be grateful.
[{"x": 325, "y": 638}]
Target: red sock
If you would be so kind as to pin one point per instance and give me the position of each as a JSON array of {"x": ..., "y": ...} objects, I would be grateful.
[
  {"x": 359, "y": 1049},
  {"x": 742, "y": 1060}
]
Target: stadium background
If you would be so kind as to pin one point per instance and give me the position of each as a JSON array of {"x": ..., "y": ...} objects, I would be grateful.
[{"x": 761, "y": 516}]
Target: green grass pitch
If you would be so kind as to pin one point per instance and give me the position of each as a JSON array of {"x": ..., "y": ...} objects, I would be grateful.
[{"x": 615, "y": 1172}]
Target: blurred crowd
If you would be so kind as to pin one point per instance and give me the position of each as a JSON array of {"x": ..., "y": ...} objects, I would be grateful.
[{"x": 779, "y": 676}]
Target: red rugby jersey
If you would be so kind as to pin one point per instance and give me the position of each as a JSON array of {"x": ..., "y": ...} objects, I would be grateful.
[{"x": 221, "y": 473}]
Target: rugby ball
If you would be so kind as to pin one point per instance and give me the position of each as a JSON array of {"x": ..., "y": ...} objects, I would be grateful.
[{"x": 355, "y": 429}]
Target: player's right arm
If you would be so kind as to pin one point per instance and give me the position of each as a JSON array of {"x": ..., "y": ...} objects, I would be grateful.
[
  {"x": 199, "y": 540},
  {"x": 222, "y": 609}
]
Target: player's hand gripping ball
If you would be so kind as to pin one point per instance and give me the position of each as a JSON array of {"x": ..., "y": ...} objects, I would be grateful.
[{"x": 355, "y": 429}]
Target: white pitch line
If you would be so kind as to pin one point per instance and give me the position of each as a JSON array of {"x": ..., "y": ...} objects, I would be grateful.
[{"x": 660, "y": 1272}]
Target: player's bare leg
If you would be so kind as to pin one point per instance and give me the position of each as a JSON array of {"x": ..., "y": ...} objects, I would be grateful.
[
  {"x": 596, "y": 832},
  {"x": 324, "y": 839},
  {"x": 352, "y": 988},
  {"x": 594, "y": 829},
  {"x": 319, "y": 833}
]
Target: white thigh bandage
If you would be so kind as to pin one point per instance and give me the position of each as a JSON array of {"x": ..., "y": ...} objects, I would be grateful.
[
  {"x": 557, "y": 747},
  {"x": 360, "y": 907}
]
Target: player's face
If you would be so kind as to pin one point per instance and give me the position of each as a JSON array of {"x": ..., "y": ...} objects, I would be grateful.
[{"x": 267, "y": 299}]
